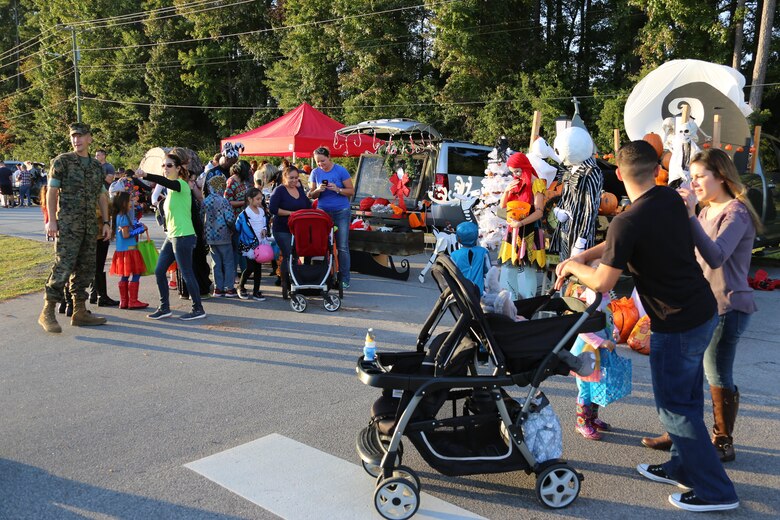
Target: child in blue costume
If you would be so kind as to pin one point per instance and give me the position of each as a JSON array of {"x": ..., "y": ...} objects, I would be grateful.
[{"x": 472, "y": 260}]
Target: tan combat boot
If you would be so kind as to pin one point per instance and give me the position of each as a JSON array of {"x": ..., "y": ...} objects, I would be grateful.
[
  {"x": 47, "y": 319},
  {"x": 82, "y": 317}
]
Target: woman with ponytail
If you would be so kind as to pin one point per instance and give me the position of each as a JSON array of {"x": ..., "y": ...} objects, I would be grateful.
[{"x": 723, "y": 233}]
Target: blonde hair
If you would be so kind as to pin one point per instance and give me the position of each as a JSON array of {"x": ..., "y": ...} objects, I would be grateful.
[{"x": 722, "y": 167}]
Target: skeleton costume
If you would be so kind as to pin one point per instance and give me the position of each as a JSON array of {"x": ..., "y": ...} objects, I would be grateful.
[{"x": 581, "y": 197}]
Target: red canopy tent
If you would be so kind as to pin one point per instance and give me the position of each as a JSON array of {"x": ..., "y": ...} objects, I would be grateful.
[{"x": 299, "y": 133}]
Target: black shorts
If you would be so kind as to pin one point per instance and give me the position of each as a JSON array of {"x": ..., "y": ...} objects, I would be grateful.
[{"x": 6, "y": 189}]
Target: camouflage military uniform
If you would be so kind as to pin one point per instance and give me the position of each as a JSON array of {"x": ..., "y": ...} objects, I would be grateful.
[{"x": 80, "y": 181}]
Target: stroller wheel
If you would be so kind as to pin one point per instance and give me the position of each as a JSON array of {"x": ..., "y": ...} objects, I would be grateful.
[
  {"x": 557, "y": 486},
  {"x": 396, "y": 498},
  {"x": 403, "y": 472},
  {"x": 298, "y": 302},
  {"x": 376, "y": 471},
  {"x": 331, "y": 302}
]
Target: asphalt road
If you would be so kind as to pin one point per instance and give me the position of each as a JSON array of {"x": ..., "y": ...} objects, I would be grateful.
[{"x": 98, "y": 422}]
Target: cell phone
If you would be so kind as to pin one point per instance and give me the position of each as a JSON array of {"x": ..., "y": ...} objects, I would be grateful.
[{"x": 325, "y": 182}]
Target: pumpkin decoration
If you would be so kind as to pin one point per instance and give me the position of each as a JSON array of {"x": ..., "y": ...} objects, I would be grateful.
[
  {"x": 728, "y": 147},
  {"x": 397, "y": 210},
  {"x": 740, "y": 149},
  {"x": 416, "y": 220},
  {"x": 706, "y": 145},
  {"x": 639, "y": 339},
  {"x": 655, "y": 140},
  {"x": 625, "y": 316},
  {"x": 608, "y": 203},
  {"x": 662, "y": 179},
  {"x": 665, "y": 158}
]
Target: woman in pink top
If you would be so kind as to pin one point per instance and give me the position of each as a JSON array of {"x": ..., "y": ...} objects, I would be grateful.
[{"x": 723, "y": 233}]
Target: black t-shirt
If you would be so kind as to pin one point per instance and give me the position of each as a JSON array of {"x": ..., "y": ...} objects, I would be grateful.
[
  {"x": 6, "y": 176},
  {"x": 653, "y": 241}
]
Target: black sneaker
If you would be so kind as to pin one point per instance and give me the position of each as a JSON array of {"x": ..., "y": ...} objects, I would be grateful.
[
  {"x": 160, "y": 314},
  {"x": 258, "y": 296},
  {"x": 193, "y": 315},
  {"x": 690, "y": 502},
  {"x": 656, "y": 473},
  {"x": 243, "y": 294}
]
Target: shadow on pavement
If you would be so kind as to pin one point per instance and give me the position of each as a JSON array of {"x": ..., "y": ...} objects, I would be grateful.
[{"x": 31, "y": 492}]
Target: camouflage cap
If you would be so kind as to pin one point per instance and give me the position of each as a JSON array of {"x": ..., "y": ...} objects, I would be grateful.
[{"x": 79, "y": 128}]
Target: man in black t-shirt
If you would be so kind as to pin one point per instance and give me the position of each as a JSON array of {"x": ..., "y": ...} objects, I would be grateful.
[{"x": 653, "y": 241}]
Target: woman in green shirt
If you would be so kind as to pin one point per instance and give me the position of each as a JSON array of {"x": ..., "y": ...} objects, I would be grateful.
[{"x": 181, "y": 238}]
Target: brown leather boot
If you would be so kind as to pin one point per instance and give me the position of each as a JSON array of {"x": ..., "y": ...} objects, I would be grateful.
[
  {"x": 724, "y": 410},
  {"x": 48, "y": 319},
  {"x": 82, "y": 317},
  {"x": 662, "y": 442}
]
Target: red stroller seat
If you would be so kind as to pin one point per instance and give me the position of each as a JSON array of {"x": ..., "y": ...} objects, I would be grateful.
[{"x": 312, "y": 231}]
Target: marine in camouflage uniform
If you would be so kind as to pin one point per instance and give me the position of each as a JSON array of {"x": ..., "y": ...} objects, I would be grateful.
[{"x": 77, "y": 182}]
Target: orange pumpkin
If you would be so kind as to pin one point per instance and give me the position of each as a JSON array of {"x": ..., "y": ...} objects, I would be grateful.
[
  {"x": 416, "y": 221},
  {"x": 608, "y": 203},
  {"x": 655, "y": 140},
  {"x": 625, "y": 316},
  {"x": 397, "y": 210},
  {"x": 728, "y": 147},
  {"x": 706, "y": 145},
  {"x": 665, "y": 158},
  {"x": 663, "y": 177}
]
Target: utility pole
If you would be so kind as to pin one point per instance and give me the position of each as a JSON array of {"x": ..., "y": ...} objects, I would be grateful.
[
  {"x": 76, "y": 59},
  {"x": 18, "y": 65}
]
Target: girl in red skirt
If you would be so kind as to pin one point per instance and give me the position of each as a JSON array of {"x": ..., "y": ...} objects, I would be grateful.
[{"x": 127, "y": 261}]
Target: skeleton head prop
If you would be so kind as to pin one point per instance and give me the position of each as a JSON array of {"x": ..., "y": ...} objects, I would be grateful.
[{"x": 573, "y": 145}]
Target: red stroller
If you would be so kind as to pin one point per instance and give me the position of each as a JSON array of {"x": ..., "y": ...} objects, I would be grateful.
[{"x": 312, "y": 269}]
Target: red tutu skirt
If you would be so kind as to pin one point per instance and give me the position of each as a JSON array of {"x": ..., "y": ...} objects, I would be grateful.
[{"x": 127, "y": 263}]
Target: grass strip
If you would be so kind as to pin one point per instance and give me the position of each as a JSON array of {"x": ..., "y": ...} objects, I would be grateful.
[{"x": 24, "y": 266}]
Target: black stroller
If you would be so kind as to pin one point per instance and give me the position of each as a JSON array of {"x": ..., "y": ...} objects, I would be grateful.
[{"x": 487, "y": 435}]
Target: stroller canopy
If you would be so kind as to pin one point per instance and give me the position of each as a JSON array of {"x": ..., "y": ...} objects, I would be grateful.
[{"x": 311, "y": 232}]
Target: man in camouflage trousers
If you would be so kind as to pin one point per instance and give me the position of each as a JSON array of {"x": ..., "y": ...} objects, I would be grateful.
[{"x": 75, "y": 187}]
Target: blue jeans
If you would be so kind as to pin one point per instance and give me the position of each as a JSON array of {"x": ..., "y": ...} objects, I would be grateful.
[
  {"x": 284, "y": 241},
  {"x": 179, "y": 249},
  {"x": 341, "y": 219},
  {"x": 24, "y": 192},
  {"x": 719, "y": 356},
  {"x": 224, "y": 266},
  {"x": 678, "y": 379},
  {"x": 238, "y": 259}
]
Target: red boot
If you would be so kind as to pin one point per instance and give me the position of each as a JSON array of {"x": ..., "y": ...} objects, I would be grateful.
[
  {"x": 132, "y": 289},
  {"x": 123, "y": 298}
]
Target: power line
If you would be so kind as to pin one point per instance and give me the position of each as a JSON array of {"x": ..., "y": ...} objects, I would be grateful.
[
  {"x": 69, "y": 100},
  {"x": 159, "y": 10},
  {"x": 37, "y": 85},
  {"x": 262, "y": 31},
  {"x": 204, "y": 9}
]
